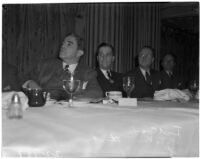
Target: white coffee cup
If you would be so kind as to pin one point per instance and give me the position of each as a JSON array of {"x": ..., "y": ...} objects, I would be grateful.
[{"x": 114, "y": 95}]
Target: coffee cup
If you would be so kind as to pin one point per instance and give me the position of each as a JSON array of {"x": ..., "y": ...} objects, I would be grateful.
[
  {"x": 114, "y": 95},
  {"x": 36, "y": 97}
]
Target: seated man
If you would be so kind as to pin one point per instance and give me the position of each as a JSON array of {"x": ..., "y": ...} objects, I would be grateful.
[
  {"x": 50, "y": 73},
  {"x": 108, "y": 79},
  {"x": 169, "y": 79},
  {"x": 146, "y": 79},
  {"x": 9, "y": 78}
]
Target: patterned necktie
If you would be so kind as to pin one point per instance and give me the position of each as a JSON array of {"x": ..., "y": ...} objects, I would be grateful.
[
  {"x": 66, "y": 72},
  {"x": 66, "y": 69}
]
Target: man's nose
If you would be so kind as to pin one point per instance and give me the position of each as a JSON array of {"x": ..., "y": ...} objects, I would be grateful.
[
  {"x": 144, "y": 56},
  {"x": 103, "y": 57}
]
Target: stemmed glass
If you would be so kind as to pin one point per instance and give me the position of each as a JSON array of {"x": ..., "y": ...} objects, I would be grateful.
[
  {"x": 71, "y": 86},
  {"x": 128, "y": 85},
  {"x": 193, "y": 86}
]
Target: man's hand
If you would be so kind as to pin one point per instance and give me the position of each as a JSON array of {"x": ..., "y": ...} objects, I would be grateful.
[
  {"x": 30, "y": 84},
  {"x": 7, "y": 88}
]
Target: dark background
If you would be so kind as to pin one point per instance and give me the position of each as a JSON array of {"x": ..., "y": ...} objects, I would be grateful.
[{"x": 35, "y": 31}]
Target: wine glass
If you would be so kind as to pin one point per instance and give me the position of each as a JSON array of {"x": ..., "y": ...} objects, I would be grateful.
[
  {"x": 71, "y": 86},
  {"x": 128, "y": 85},
  {"x": 193, "y": 86}
]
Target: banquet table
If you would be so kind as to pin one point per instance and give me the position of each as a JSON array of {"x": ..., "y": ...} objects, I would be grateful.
[{"x": 152, "y": 129}]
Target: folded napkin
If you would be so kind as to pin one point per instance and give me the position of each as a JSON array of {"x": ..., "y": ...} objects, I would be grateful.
[
  {"x": 197, "y": 95},
  {"x": 7, "y": 96},
  {"x": 171, "y": 94},
  {"x": 187, "y": 91}
]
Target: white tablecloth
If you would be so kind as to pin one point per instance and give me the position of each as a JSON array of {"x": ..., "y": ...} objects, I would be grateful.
[{"x": 153, "y": 129}]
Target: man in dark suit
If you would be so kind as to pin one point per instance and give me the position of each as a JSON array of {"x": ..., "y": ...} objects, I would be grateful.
[
  {"x": 10, "y": 79},
  {"x": 108, "y": 79},
  {"x": 50, "y": 73},
  {"x": 146, "y": 79},
  {"x": 169, "y": 79}
]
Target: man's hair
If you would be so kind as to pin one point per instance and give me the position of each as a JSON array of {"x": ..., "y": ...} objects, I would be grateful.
[
  {"x": 148, "y": 47},
  {"x": 162, "y": 59},
  {"x": 105, "y": 45},
  {"x": 169, "y": 54},
  {"x": 80, "y": 41}
]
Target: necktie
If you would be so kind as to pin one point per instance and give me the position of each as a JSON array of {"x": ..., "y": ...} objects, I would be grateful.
[
  {"x": 148, "y": 78},
  {"x": 170, "y": 74},
  {"x": 66, "y": 72},
  {"x": 66, "y": 69},
  {"x": 110, "y": 76}
]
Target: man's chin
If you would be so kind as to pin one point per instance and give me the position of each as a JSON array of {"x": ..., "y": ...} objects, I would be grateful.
[
  {"x": 105, "y": 68},
  {"x": 145, "y": 66},
  {"x": 64, "y": 58}
]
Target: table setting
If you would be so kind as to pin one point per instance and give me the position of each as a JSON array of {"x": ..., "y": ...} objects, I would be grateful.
[{"x": 113, "y": 126}]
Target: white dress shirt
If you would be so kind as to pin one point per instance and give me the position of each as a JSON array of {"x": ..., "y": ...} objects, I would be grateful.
[
  {"x": 169, "y": 73},
  {"x": 105, "y": 73},
  {"x": 71, "y": 68},
  {"x": 144, "y": 72}
]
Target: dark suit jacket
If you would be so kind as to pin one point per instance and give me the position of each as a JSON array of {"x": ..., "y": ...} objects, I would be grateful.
[
  {"x": 142, "y": 88},
  {"x": 50, "y": 74},
  {"x": 106, "y": 85},
  {"x": 170, "y": 82},
  {"x": 10, "y": 77}
]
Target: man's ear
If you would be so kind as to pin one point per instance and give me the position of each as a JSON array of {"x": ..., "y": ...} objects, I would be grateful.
[
  {"x": 97, "y": 58},
  {"x": 174, "y": 63},
  {"x": 113, "y": 58},
  {"x": 162, "y": 63},
  {"x": 80, "y": 53},
  {"x": 152, "y": 61}
]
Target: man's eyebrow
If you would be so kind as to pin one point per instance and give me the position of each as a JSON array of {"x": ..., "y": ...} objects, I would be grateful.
[{"x": 69, "y": 41}]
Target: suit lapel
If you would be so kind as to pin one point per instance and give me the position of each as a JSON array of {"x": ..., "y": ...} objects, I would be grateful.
[
  {"x": 101, "y": 75},
  {"x": 166, "y": 75},
  {"x": 59, "y": 68},
  {"x": 79, "y": 72},
  {"x": 141, "y": 75}
]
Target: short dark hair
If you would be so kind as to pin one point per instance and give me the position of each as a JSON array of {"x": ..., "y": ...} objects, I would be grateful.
[
  {"x": 105, "y": 45},
  {"x": 97, "y": 51},
  {"x": 148, "y": 47},
  {"x": 169, "y": 54},
  {"x": 80, "y": 41},
  {"x": 161, "y": 61}
]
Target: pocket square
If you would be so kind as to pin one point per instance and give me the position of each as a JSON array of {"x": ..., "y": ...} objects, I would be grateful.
[
  {"x": 84, "y": 85},
  {"x": 170, "y": 94}
]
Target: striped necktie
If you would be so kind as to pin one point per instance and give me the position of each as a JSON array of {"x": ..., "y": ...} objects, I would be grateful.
[
  {"x": 66, "y": 69},
  {"x": 65, "y": 74}
]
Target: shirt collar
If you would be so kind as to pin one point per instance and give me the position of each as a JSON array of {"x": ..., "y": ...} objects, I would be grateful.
[
  {"x": 144, "y": 71},
  {"x": 105, "y": 72},
  {"x": 71, "y": 68},
  {"x": 169, "y": 72}
]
